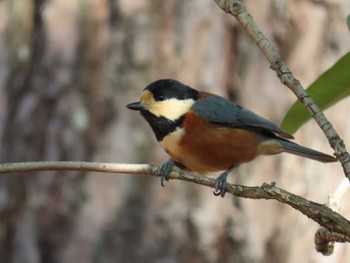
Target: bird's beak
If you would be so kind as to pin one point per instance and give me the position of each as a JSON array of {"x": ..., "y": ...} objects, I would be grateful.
[{"x": 137, "y": 106}]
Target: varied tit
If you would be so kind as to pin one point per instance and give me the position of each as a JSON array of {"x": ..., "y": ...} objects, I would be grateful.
[{"x": 203, "y": 132}]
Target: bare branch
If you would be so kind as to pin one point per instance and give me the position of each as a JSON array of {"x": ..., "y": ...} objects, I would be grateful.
[
  {"x": 237, "y": 9},
  {"x": 335, "y": 198},
  {"x": 324, "y": 237},
  {"x": 323, "y": 215},
  {"x": 76, "y": 166}
]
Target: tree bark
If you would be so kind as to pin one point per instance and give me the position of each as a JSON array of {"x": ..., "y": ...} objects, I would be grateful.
[{"x": 71, "y": 69}]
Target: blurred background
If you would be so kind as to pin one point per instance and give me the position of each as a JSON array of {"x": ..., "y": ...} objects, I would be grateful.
[{"x": 67, "y": 70}]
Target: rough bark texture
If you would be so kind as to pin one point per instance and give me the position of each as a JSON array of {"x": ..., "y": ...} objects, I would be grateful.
[{"x": 67, "y": 70}]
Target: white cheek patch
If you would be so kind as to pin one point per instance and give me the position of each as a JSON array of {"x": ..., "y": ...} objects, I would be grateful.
[{"x": 172, "y": 109}]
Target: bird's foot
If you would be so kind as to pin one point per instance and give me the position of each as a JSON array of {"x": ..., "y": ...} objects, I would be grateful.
[
  {"x": 164, "y": 170},
  {"x": 221, "y": 182},
  {"x": 220, "y": 185}
]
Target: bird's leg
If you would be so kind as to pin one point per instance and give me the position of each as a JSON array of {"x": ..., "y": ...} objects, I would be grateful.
[
  {"x": 165, "y": 169},
  {"x": 221, "y": 182}
]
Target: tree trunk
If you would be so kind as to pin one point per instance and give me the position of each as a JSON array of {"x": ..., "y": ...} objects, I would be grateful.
[{"x": 68, "y": 70}]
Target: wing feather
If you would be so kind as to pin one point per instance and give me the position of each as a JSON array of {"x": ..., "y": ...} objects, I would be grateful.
[{"x": 221, "y": 111}]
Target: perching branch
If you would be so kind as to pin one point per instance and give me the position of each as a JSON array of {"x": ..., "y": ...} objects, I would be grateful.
[
  {"x": 323, "y": 215},
  {"x": 237, "y": 9}
]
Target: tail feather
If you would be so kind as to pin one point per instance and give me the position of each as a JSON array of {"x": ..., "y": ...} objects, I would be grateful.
[{"x": 293, "y": 148}]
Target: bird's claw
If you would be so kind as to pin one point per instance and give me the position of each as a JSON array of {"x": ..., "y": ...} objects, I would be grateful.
[
  {"x": 164, "y": 171},
  {"x": 220, "y": 185}
]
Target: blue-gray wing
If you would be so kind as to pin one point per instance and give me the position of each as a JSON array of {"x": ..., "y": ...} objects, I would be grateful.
[{"x": 220, "y": 111}]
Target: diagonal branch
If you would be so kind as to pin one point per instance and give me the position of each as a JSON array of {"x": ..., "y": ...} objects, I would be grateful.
[
  {"x": 237, "y": 9},
  {"x": 319, "y": 213}
]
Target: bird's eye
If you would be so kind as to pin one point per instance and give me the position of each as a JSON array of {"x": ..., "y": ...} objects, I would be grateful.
[{"x": 160, "y": 97}]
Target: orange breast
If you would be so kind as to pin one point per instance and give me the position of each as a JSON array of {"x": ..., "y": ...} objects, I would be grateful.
[{"x": 204, "y": 147}]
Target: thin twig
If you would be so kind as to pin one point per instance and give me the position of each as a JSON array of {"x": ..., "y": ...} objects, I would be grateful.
[
  {"x": 321, "y": 214},
  {"x": 324, "y": 242},
  {"x": 76, "y": 166},
  {"x": 237, "y": 9},
  {"x": 324, "y": 239},
  {"x": 335, "y": 198}
]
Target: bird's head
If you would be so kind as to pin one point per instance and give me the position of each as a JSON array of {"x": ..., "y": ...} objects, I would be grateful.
[{"x": 166, "y": 98}]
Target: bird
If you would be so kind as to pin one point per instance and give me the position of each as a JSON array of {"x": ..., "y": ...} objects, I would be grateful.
[{"x": 205, "y": 133}]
